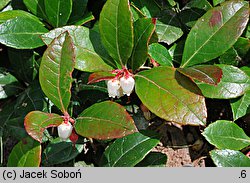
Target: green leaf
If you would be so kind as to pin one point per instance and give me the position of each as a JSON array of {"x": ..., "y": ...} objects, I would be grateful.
[
  {"x": 233, "y": 84},
  {"x": 8, "y": 84},
  {"x": 216, "y": 2},
  {"x": 55, "y": 74},
  {"x": 171, "y": 96},
  {"x": 242, "y": 47},
  {"x": 15, "y": 128},
  {"x": 58, "y": 11},
  {"x": 29, "y": 100},
  {"x": 168, "y": 27},
  {"x": 27, "y": 153},
  {"x": 226, "y": 135},
  {"x": 241, "y": 106},
  {"x": 129, "y": 150},
  {"x": 204, "y": 41},
  {"x": 143, "y": 30},
  {"x": 90, "y": 53},
  {"x": 85, "y": 19},
  {"x": 11, "y": 14},
  {"x": 58, "y": 151},
  {"x": 153, "y": 159},
  {"x": 246, "y": 69},
  {"x": 24, "y": 64},
  {"x": 36, "y": 122},
  {"x": 116, "y": 29},
  {"x": 78, "y": 10},
  {"x": 36, "y": 7},
  {"x": 105, "y": 120},
  {"x": 209, "y": 74},
  {"x": 193, "y": 10},
  {"x": 149, "y": 8},
  {"x": 3, "y": 3},
  {"x": 22, "y": 33},
  {"x": 230, "y": 57},
  {"x": 229, "y": 158},
  {"x": 160, "y": 54}
]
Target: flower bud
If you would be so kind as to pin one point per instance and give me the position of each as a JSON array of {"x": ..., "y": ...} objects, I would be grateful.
[
  {"x": 127, "y": 84},
  {"x": 64, "y": 130},
  {"x": 113, "y": 88}
]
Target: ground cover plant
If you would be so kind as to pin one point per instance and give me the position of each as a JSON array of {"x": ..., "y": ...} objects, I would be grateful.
[{"x": 95, "y": 83}]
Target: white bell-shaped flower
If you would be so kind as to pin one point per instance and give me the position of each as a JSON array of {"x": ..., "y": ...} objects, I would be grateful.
[
  {"x": 64, "y": 130},
  {"x": 127, "y": 84},
  {"x": 113, "y": 87}
]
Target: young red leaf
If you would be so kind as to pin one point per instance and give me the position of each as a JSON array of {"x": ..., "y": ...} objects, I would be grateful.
[
  {"x": 100, "y": 76},
  {"x": 105, "y": 120},
  {"x": 36, "y": 122},
  {"x": 209, "y": 74},
  {"x": 55, "y": 74}
]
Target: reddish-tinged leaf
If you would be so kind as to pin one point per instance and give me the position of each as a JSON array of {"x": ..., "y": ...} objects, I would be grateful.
[
  {"x": 209, "y": 74},
  {"x": 36, "y": 122},
  {"x": 27, "y": 153},
  {"x": 171, "y": 96},
  {"x": 55, "y": 74},
  {"x": 106, "y": 120},
  {"x": 100, "y": 76},
  {"x": 215, "y": 32}
]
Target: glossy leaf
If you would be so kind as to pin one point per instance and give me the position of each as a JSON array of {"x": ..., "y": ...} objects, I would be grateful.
[
  {"x": 24, "y": 64},
  {"x": 193, "y": 10},
  {"x": 78, "y": 10},
  {"x": 3, "y": 3},
  {"x": 106, "y": 120},
  {"x": 36, "y": 122},
  {"x": 9, "y": 85},
  {"x": 171, "y": 96},
  {"x": 149, "y": 8},
  {"x": 216, "y": 2},
  {"x": 226, "y": 135},
  {"x": 241, "y": 106},
  {"x": 160, "y": 54},
  {"x": 116, "y": 29},
  {"x": 90, "y": 53},
  {"x": 27, "y": 153},
  {"x": 168, "y": 27},
  {"x": 242, "y": 47},
  {"x": 15, "y": 128},
  {"x": 85, "y": 19},
  {"x": 143, "y": 30},
  {"x": 208, "y": 74},
  {"x": 58, "y": 151},
  {"x": 36, "y": 7},
  {"x": 55, "y": 74},
  {"x": 233, "y": 84},
  {"x": 22, "y": 33},
  {"x": 100, "y": 76},
  {"x": 230, "y": 57},
  {"x": 58, "y": 11},
  {"x": 8, "y": 15},
  {"x": 129, "y": 150},
  {"x": 153, "y": 159},
  {"x": 229, "y": 158},
  {"x": 204, "y": 41},
  {"x": 32, "y": 98}
]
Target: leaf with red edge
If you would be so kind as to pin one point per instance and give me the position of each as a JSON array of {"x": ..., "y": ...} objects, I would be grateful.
[
  {"x": 36, "y": 122},
  {"x": 105, "y": 120},
  {"x": 171, "y": 96},
  {"x": 55, "y": 74},
  {"x": 27, "y": 153},
  {"x": 100, "y": 76},
  {"x": 209, "y": 74}
]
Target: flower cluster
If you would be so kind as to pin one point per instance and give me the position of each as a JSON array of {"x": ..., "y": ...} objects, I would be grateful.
[{"x": 121, "y": 85}]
